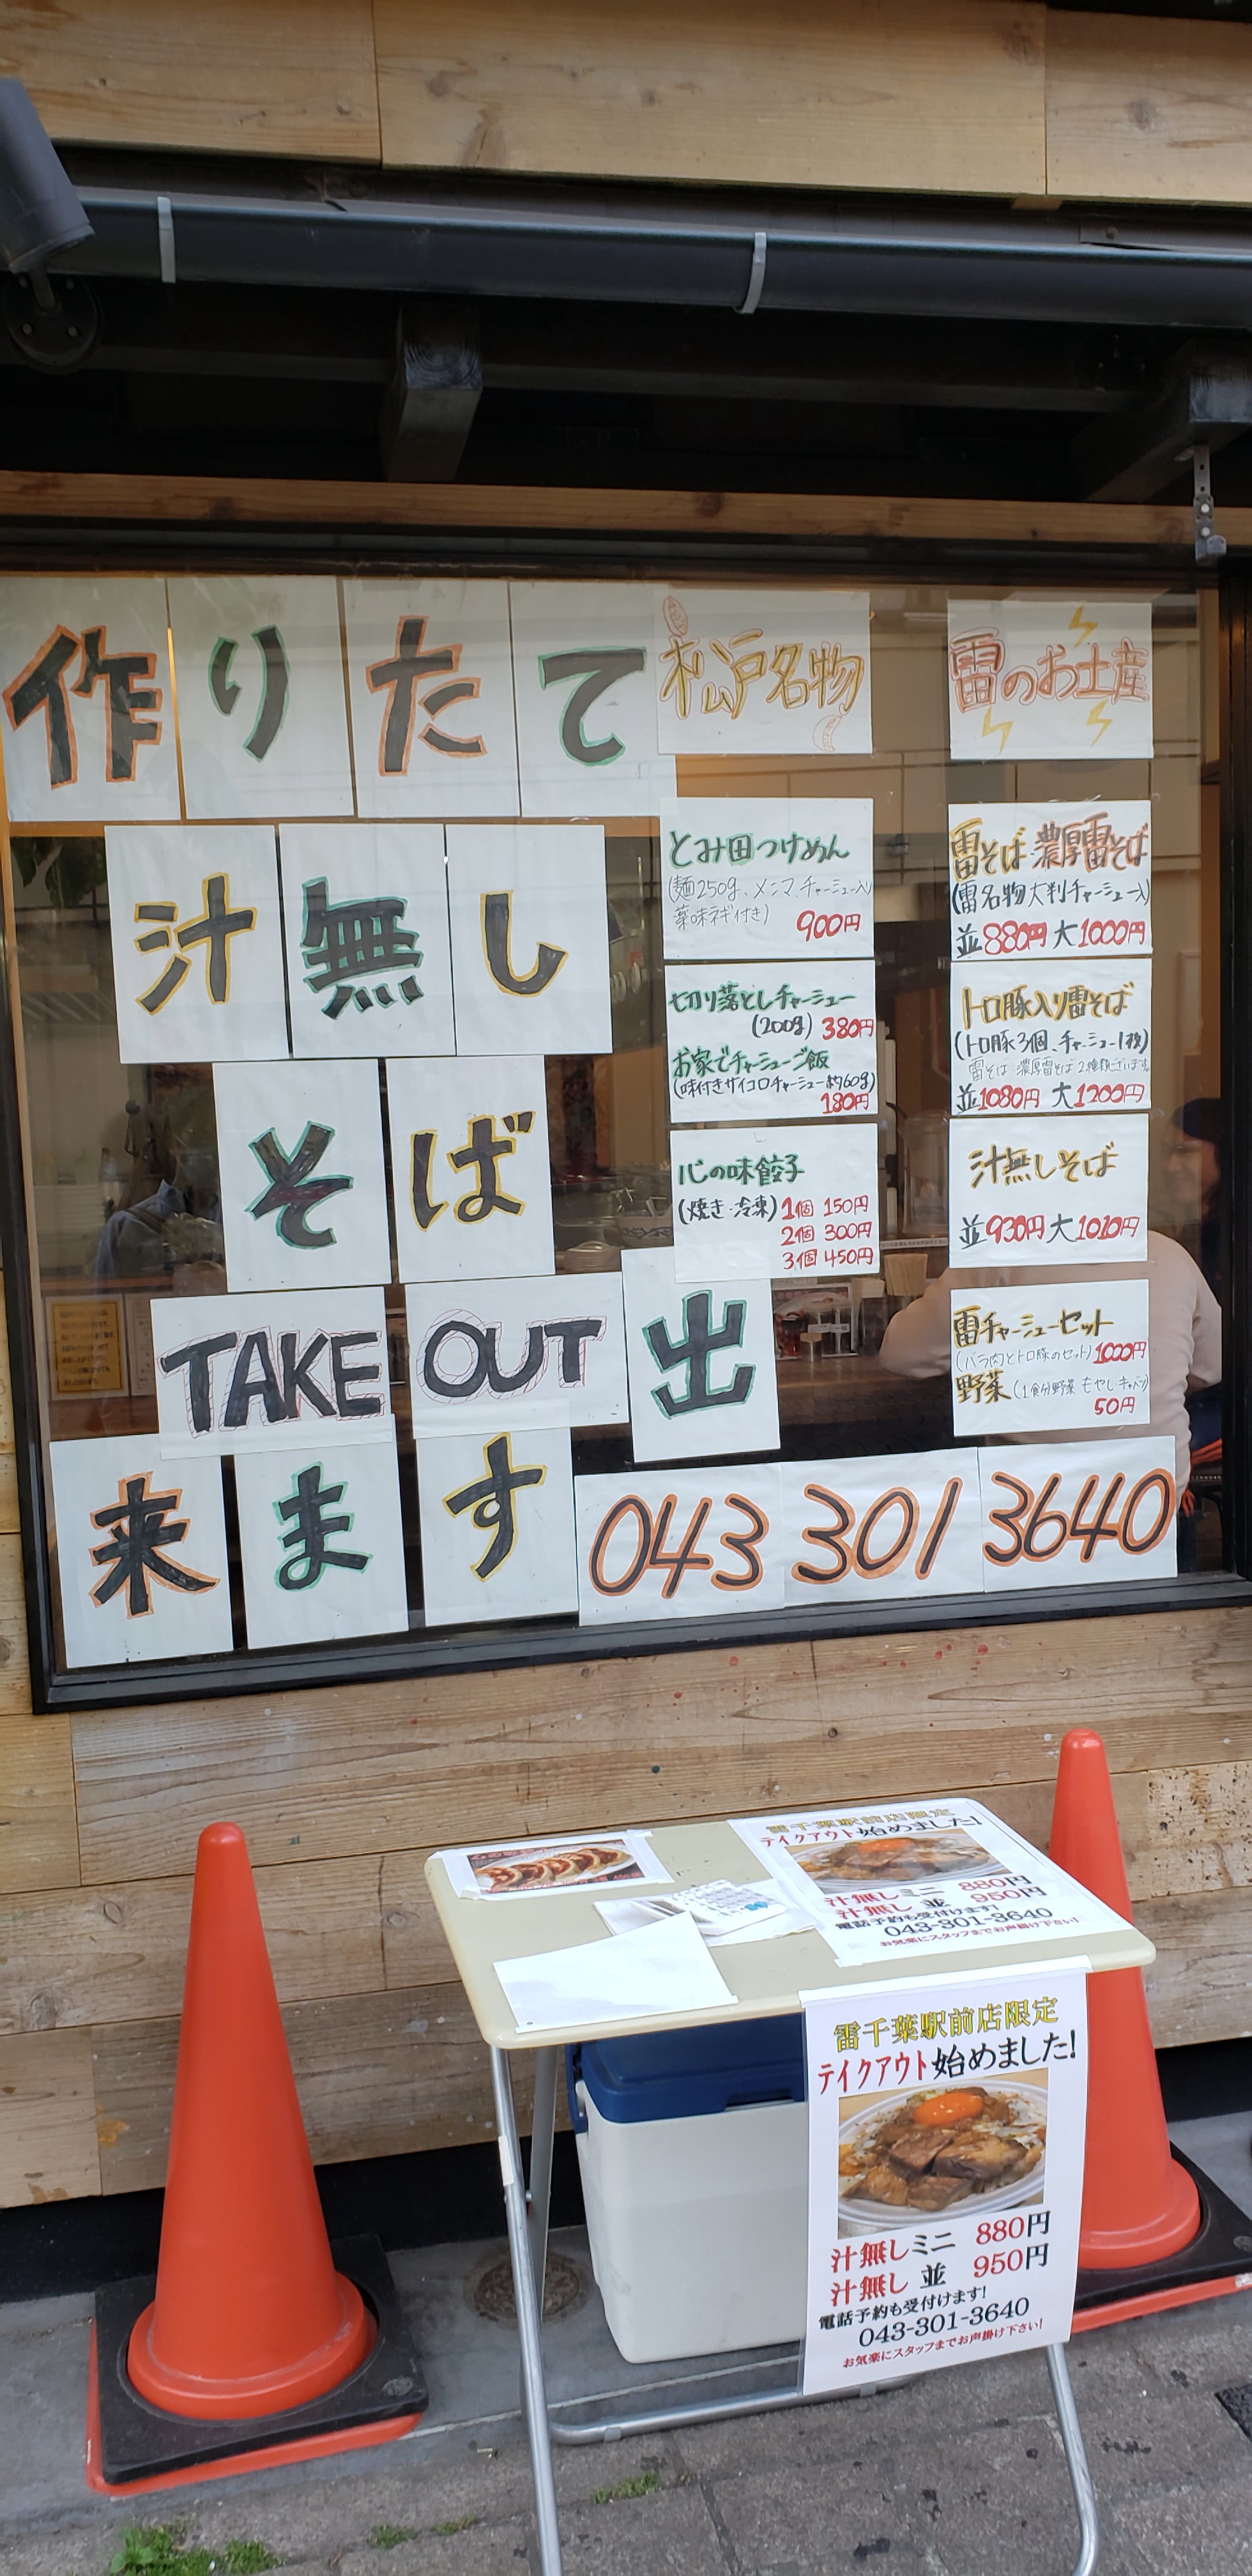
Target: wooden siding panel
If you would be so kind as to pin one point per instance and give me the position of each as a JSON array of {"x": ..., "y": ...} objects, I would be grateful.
[
  {"x": 296, "y": 76},
  {"x": 841, "y": 93},
  {"x": 117, "y": 1953},
  {"x": 38, "y": 1833},
  {"x": 14, "y": 1664},
  {"x": 1148, "y": 108},
  {"x": 1198, "y": 1986},
  {"x": 47, "y": 2118}
]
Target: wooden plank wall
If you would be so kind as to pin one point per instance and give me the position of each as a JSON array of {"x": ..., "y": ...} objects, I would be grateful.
[{"x": 998, "y": 97}]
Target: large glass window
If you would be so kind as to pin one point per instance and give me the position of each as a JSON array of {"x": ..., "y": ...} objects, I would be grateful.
[{"x": 603, "y": 1104}]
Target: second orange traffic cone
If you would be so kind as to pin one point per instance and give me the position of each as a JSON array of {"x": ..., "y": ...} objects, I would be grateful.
[
  {"x": 1138, "y": 2203},
  {"x": 250, "y": 2317}
]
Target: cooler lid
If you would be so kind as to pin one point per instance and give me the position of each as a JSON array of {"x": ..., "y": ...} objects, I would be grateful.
[{"x": 680, "y": 2074}]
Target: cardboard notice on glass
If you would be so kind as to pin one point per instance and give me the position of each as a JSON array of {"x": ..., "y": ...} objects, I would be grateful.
[
  {"x": 88, "y": 735},
  {"x": 141, "y": 1552},
  {"x": 87, "y": 1345},
  {"x": 774, "y": 1202},
  {"x": 365, "y": 917},
  {"x": 947, "y": 2124},
  {"x": 772, "y": 1039},
  {"x": 1075, "y": 1511},
  {"x": 1041, "y": 678},
  {"x": 583, "y": 664},
  {"x": 767, "y": 875},
  {"x": 1049, "y": 1359},
  {"x": 262, "y": 717},
  {"x": 1051, "y": 1037},
  {"x": 1034, "y": 881},
  {"x": 762, "y": 671},
  {"x": 678, "y": 1543},
  {"x": 1024, "y": 1190},
  {"x": 880, "y": 1529}
]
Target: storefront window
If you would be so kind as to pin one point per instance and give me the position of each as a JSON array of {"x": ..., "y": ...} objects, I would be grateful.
[{"x": 557, "y": 1105}]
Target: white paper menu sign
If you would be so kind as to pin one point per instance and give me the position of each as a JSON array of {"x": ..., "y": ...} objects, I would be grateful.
[
  {"x": 771, "y": 1038},
  {"x": 767, "y": 876},
  {"x": 947, "y": 2126},
  {"x": 1042, "y": 678},
  {"x": 1031, "y": 881},
  {"x": 1019, "y": 1188},
  {"x": 769, "y": 1202},
  {"x": 1044, "y": 1036},
  {"x": 762, "y": 670},
  {"x": 1049, "y": 1358},
  {"x": 885, "y": 1882}
]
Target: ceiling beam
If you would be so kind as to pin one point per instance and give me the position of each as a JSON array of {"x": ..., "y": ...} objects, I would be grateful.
[{"x": 1206, "y": 400}]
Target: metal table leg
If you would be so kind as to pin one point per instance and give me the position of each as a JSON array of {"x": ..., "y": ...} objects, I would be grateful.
[
  {"x": 528, "y": 2316},
  {"x": 542, "y": 2134},
  {"x": 1075, "y": 2459}
]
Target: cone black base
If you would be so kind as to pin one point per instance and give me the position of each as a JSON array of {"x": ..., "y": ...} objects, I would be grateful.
[
  {"x": 1223, "y": 2247},
  {"x": 139, "y": 2441}
]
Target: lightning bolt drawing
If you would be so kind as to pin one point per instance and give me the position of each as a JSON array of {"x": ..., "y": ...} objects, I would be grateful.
[
  {"x": 1099, "y": 719},
  {"x": 1080, "y": 625},
  {"x": 1004, "y": 730}
]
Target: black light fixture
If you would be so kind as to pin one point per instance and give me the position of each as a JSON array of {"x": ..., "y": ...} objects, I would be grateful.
[{"x": 55, "y": 326}]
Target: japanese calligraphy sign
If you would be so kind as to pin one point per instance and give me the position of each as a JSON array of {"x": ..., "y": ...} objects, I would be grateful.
[
  {"x": 301, "y": 1176},
  {"x": 497, "y": 1516},
  {"x": 141, "y": 1552},
  {"x": 1049, "y": 1358},
  {"x": 262, "y": 717},
  {"x": 882, "y": 1528},
  {"x": 365, "y": 917},
  {"x": 508, "y": 1352},
  {"x": 1040, "y": 678},
  {"x": 685, "y": 1543},
  {"x": 471, "y": 1184},
  {"x": 89, "y": 718},
  {"x": 755, "y": 1037},
  {"x": 940, "y": 1874},
  {"x": 762, "y": 670},
  {"x": 267, "y": 1372},
  {"x": 1099, "y": 1511},
  {"x": 1052, "y": 1036},
  {"x": 321, "y": 1543},
  {"x": 197, "y": 947},
  {"x": 702, "y": 1376},
  {"x": 430, "y": 687},
  {"x": 1032, "y": 881},
  {"x": 767, "y": 876},
  {"x": 583, "y": 676},
  {"x": 764, "y": 1202},
  {"x": 1018, "y": 1187},
  {"x": 530, "y": 939},
  {"x": 946, "y": 2137}
]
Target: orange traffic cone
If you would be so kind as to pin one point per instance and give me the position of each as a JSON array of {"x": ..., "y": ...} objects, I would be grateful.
[
  {"x": 250, "y": 2316},
  {"x": 1138, "y": 2203}
]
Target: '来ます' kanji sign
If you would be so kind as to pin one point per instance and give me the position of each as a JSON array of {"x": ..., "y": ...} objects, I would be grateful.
[
  {"x": 141, "y": 1552},
  {"x": 1041, "y": 678}
]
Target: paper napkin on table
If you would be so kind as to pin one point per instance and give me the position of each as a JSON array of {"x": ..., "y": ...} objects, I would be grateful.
[{"x": 663, "y": 1969}]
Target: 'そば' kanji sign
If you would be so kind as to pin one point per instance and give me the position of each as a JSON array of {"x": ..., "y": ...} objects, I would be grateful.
[
  {"x": 1034, "y": 881},
  {"x": 1027, "y": 1190},
  {"x": 1051, "y": 1035}
]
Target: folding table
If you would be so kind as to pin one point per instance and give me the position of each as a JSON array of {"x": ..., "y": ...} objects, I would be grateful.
[{"x": 763, "y": 1977}]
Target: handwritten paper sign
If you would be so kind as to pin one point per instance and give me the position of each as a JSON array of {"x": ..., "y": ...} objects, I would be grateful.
[
  {"x": 1017, "y": 1187},
  {"x": 1051, "y": 1037},
  {"x": 301, "y": 1176},
  {"x": 265, "y": 1372},
  {"x": 1040, "y": 678},
  {"x": 584, "y": 678},
  {"x": 751, "y": 1037},
  {"x": 1100, "y": 1511},
  {"x": 262, "y": 717},
  {"x": 882, "y": 1528},
  {"x": 685, "y": 1543},
  {"x": 762, "y": 670},
  {"x": 497, "y": 1516},
  {"x": 766, "y": 1202},
  {"x": 1032, "y": 881},
  {"x": 471, "y": 1183},
  {"x": 507, "y": 1352},
  {"x": 702, "y": 1376},
  {"x": 365, "y": 917},
  {"x": 1049, "y": 1359},
  {"x": 141, "y": 1552},
  {"x": 89, "y": 716},
  {"x": 197, "y": 943},
  {"x": 530, "y": 939},
  {"x": 946, "y": 2137},
  {"x": 321, "y": 1543},
  {"x": 767, "y": 876},
  {"x": 430, "y": 687},
  {"x": 943, "y": 1874},
  {"x": 86, "y": 1345}
]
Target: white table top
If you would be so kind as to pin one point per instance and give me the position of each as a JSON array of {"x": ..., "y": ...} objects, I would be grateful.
[{"x": 764, "y": 1977}]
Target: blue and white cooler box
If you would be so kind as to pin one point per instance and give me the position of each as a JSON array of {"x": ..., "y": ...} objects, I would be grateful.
[{"x": 693, "y": 2151}]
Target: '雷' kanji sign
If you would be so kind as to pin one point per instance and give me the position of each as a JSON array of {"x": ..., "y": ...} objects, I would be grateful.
[{"x": 1039, "y": 678}]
